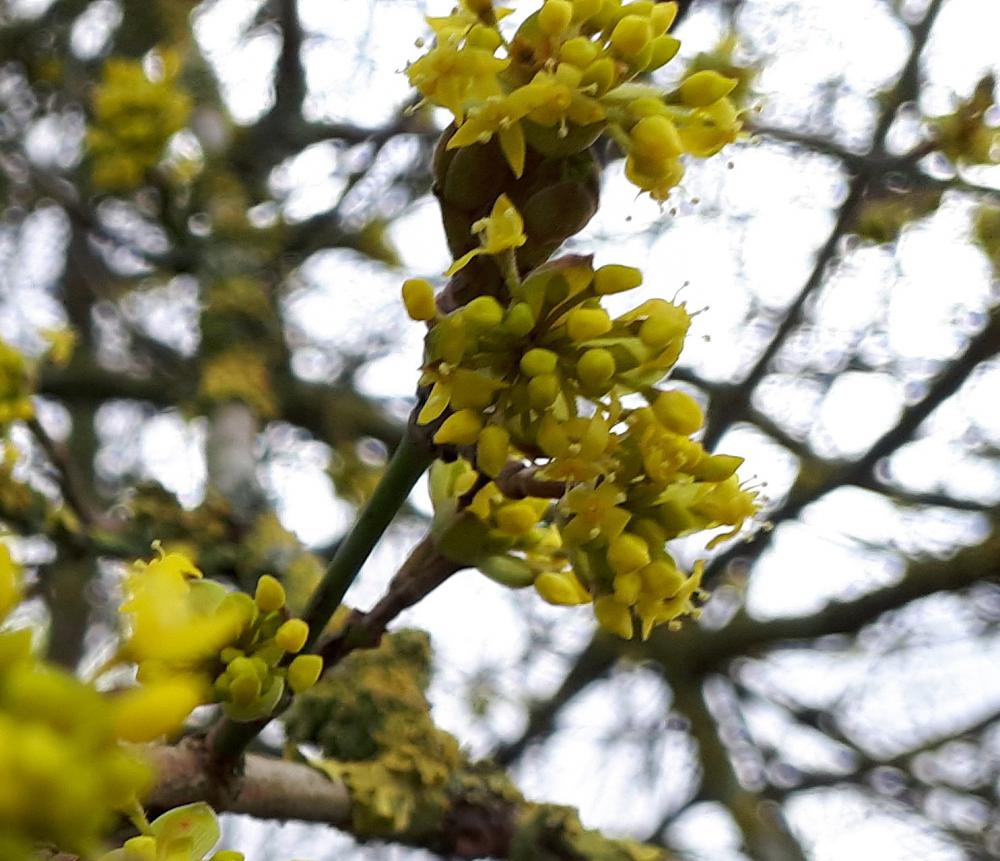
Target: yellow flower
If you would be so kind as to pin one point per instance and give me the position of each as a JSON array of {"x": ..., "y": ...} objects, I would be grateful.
[
  {"x": 708, "y": 129},
  {"x": 561, "y": 588},
  {"x": 456, "y": 387},
  {"x": 167, "y": 624},
  {"x": 577, "y": 447},
  {"x": 158, "y": 708},
  {"x": 502, "y": 230},
  {"x": 596, "y": 513},
  {"x": 500, "y": 116},
  {"x": 455, "y": 77}
]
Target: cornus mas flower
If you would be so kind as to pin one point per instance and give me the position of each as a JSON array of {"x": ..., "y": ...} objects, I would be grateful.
[
  {"x": 196, "y": 643},
  {"x": 573, "y": 70},
  {"x": 542, "y": 383}
]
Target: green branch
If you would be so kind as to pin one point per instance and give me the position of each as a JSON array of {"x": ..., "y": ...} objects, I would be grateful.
[
  {"x": 229, "y": 739},
  {"x": 406, "y": 466}
]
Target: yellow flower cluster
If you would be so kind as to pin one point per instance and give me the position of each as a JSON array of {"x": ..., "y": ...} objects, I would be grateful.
[
  {"x": 571, "y": 72},
  {"x": 15, "y": 386},
  {"x": 546, "y": 378},
  {"x": 185, "y": 833},
  {"x": 133, "y": 118},
  {"x": 63, "y": 774},
  {"x": 185, "y": 631}
]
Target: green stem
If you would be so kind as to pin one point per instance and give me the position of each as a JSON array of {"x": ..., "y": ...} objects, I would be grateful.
[
  {"x": 406, "y": 466},
  {"x": 229, "y": 739}
]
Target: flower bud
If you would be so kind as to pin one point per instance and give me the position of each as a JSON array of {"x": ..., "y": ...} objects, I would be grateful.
[
  {"x": 585, "y": 9},
  {"x": 486, "y": 38},
  {"x": 662, "y": 16},
  {"x": 663, "y": 50},
  {"x": 705, "y": 87},
  {"x": 596, "y": 368},
  {"x": 654, "y": 139},
  {"x": 614, "y": 616},
  {"x": 483, "y": 312},
  {"x": 492, "y": 450},
  {"x": 579, "y": 52},
  {"x": 517, "y": 518},
  {"x": 631, "y": 35},
  {"x": 583, "y": 324},
  {"x": 292, "y": 635},
  {"x": 601, "y": 73},
  {"x": 561, "y": 588},
  {"x": 627, "y": 553},
  {"x": 304, "y": 672},
  {"x": 542, "y": 391},
  {"x": 678, "y": 412},
  {"x": 519, "y": 320},
  {"x": 538, "y": 361},
  {"x": 244, "y": 689},
  {"x": 418, "y": 297},
  {"x": 615, "y": 278},
  {"x": 554, "y": 17},
  {"x": 661, "y": 580},
  {"x": 270, "y": 594},
  {"x": 665, "y": 323},
  {"x": 627, "y": 587}
]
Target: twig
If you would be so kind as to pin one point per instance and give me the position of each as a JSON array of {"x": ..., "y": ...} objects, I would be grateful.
[
  {"x": 65, "y": 474},
  {"x": 229, "y": 739}
]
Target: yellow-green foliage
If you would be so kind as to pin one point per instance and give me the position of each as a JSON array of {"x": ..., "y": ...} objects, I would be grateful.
[
  {"x": 881, "y": 219},
  {"x": 134, "y": 116},
  {"x": 15, "y": 386},
  {"x": 965, "y": 135},
  {"x": 238, "y": 374},
  {"x": 371, "y": 718},
  {"x": 986, "y": 233},
  {"x": 238, "y": 311}
]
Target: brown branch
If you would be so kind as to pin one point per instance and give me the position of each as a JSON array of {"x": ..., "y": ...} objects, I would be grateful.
[
  {"x": 983, "y": 346},
  {"x": 735, "y": 401},
  {"x": 479, "y": 823},
  {"x": 290, "y": 78},
  {"x": 269, "y": 789},
  {"x": 423, "y": 571},
  {"x": 594, "y": 662},
  {"x": 518, "y": 481},
  {"x": 765, "y": 832},
  {"x": 66, "y": 476},
  {"x": 700, "y": 650}
]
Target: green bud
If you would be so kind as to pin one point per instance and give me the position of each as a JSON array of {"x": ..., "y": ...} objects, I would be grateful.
[
  {"x": 538, "y": 361},
  {"x": 595, "y": 368},
  {"x": 542, "y": 391}
]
